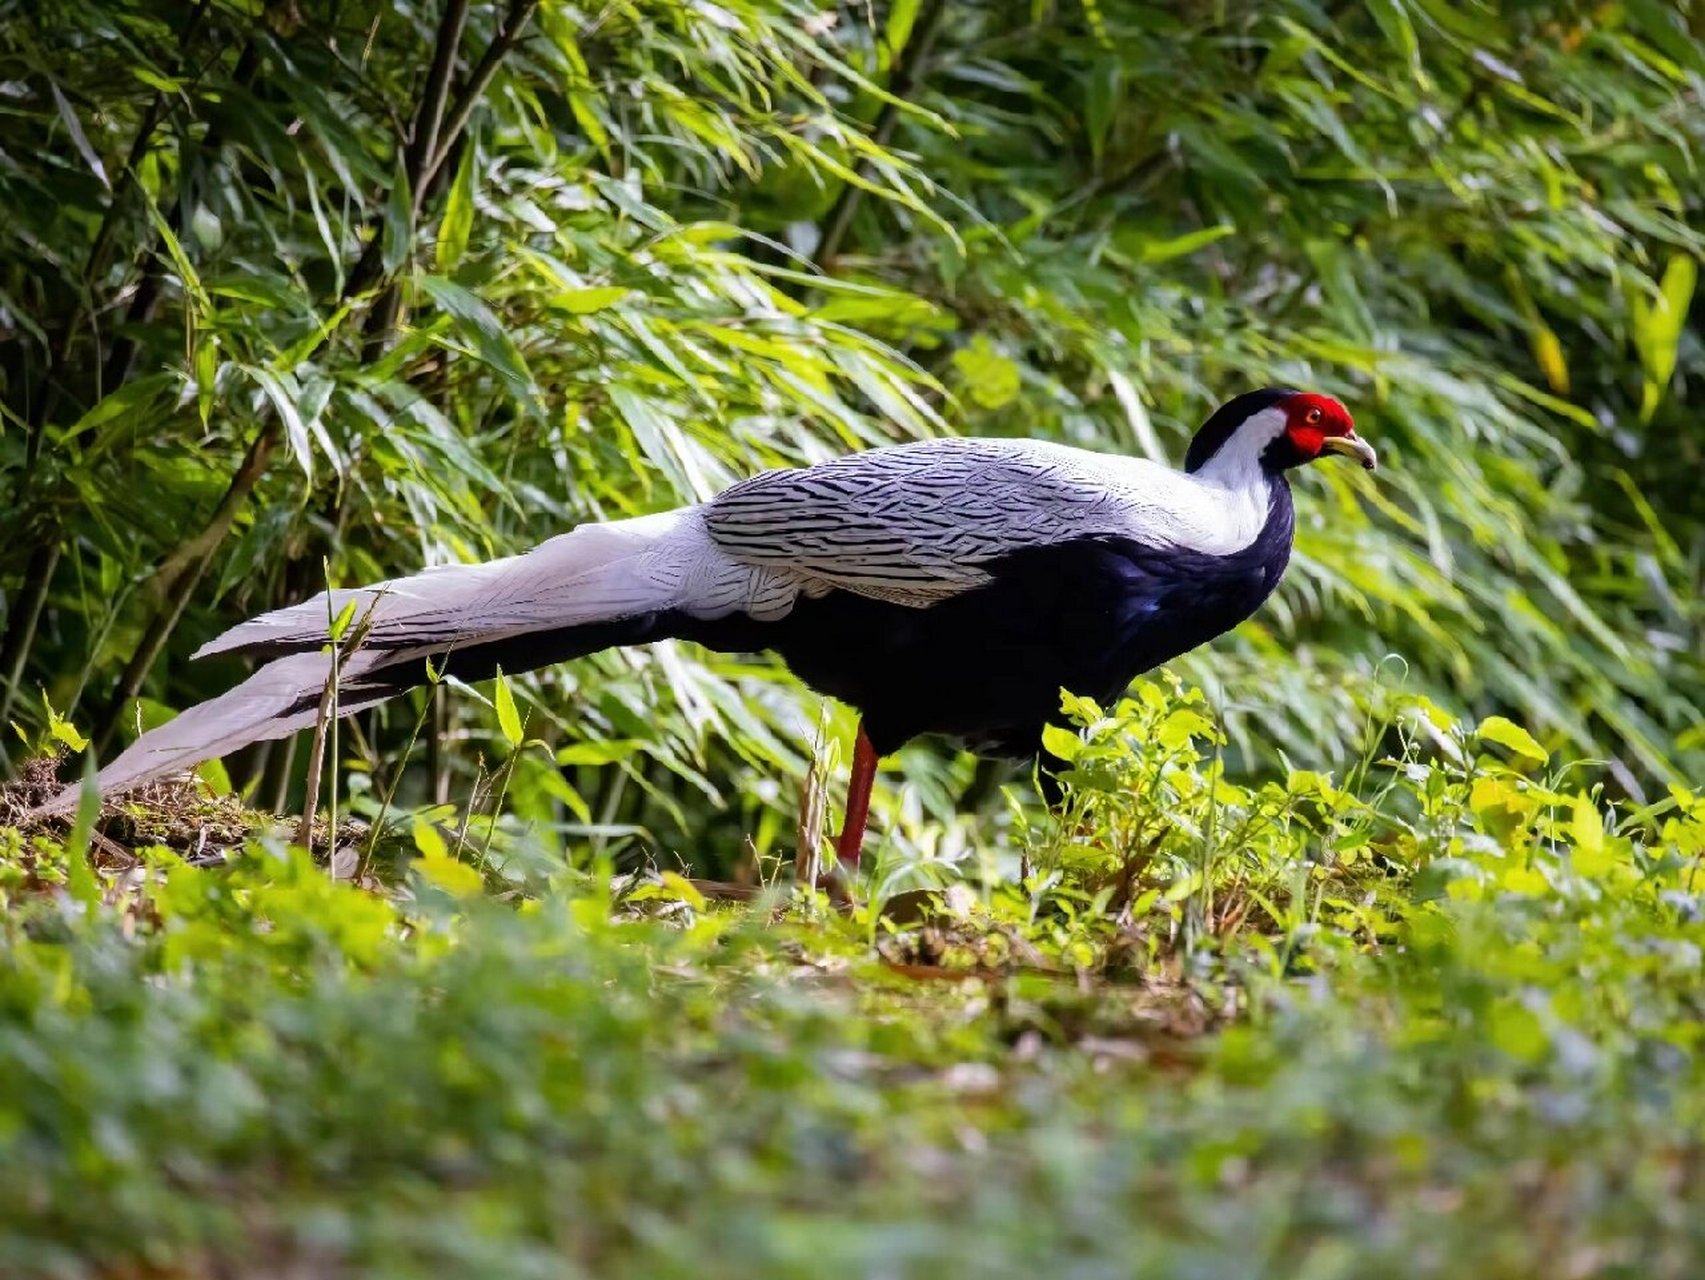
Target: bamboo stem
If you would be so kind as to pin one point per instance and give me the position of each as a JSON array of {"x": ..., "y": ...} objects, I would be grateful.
[
  {"x": 908, "y": 71},
  {"x": 429, "y": 114},
  {"x": 508, "y": 35},
  {"x": 21, "y": 632},
  {"x": 433, "y": 138}
]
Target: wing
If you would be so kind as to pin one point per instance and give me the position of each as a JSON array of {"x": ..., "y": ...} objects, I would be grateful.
[{"x": 916, "y": 524}]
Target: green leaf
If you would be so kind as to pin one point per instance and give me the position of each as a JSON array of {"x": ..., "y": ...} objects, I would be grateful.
[
  {"x": 283, "y": 392},
  {"x": 399, "y": 221},
  {"x": 508, "y": 718},
  {"x": 1548, "y": 352},
  {"x": 340, "y": 624},
  {"x": 1184, "y": 245},
  {"x": 606, "y": 752},
  {"x": 1394, "y": 22},
  {"x": 62, "y": 730},
  {"x": 187, "y": 273},
  {"x": 1061, "y": 742},
  {"x": 428, "y": 839},
  {"x": 457, "y": 879},
  {"x": 1103, "y": 98},
  {"x": 206, "y": 376},
  {"x": 154, "y": 80},
  {"x": 584, "y": 108},
  {"x": 684, "y": 889},
  {"x": 74, "y": 127},
  {"x": 1658, "y": 326},
  {"x": 1586, "y": 827},
  {"x": 79, "y": 875},
  {"x": 991, "y": 379},
  {"x": 458, "y": 220},
  {"x": 1181, "y": 726},
  {"x": 902, "y": 14},
  {"x": 475, "y": 321},
  {"x": 1508, "y": 734},
  {"x": 580, "y": 302},
  {"x": 1517, "y": 1031}
]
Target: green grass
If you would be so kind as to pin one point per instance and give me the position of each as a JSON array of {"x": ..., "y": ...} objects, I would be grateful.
[{"x": 1435, "y": 1018}]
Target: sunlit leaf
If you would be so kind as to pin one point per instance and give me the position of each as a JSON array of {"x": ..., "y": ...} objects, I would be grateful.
[
  {"x": 508, "y": 718},
  {"x": 1061, "y": 742},
  {"x": 1506, "y": 733},
  {"x": 458, "y": 219}
]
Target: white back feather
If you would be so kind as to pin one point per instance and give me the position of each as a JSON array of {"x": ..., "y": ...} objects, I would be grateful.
[{"x": 917, "y": 523}]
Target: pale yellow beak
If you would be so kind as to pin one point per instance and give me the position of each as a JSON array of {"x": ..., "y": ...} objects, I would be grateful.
[{"x": 1352, "y": 446}]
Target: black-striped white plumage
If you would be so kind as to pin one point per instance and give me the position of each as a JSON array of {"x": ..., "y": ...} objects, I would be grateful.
[{"x": 951, "y": 586}]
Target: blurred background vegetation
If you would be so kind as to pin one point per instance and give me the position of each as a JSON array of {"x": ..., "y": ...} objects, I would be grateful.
[{"x": 300, "y": 289}]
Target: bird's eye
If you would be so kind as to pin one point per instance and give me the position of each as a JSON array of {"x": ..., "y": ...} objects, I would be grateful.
[{"x": 1311, "y": 417}]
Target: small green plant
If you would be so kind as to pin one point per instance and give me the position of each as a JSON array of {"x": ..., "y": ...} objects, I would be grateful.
[{"x": 56, "y": 736}]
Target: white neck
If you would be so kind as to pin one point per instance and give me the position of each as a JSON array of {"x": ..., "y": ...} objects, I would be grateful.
[
  {"x": 1236, "y": 464},
  {"x": 1236, "y": 487}
]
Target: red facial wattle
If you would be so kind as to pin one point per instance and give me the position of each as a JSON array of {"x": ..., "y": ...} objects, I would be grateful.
[
  {"x": 1307, "y": 438},
  {"x": 1315, "y": 423}
]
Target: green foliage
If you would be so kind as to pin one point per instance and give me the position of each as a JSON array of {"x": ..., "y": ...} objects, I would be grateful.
[{"x": 1434, "y": 1017}]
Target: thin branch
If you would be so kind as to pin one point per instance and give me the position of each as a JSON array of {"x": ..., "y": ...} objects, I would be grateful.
[
  {"x": 342, "y": 650},
  {"x": 479, "y": 80},
  {"x": 908, "y": 71},
  {"x": 429, "y": 115},
  {"x": 26, "y": 615},
  {"x": 186, "y": 576}
]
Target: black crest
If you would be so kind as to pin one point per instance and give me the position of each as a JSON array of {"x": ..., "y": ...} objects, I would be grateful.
[{"x": 1227, "y": 419}]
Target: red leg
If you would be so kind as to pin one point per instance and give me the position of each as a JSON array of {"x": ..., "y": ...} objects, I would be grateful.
[{"x": 858, "y": 801}]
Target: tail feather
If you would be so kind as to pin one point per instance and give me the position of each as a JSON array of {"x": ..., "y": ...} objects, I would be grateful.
[
  {"x": 597, "y": 586},
  {"x": 595, "y": 572},
  {"x": 276, "y": 701}
]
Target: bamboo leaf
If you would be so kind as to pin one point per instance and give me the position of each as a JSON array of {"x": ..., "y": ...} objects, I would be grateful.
[
  {"x": 508, "y": 718},
  {"x": 79, "y": 139},
  {"x": 476, "y": 322},
  {"x": 582, "y": 302},
  {"x": 458, "y": 218},
  {"x": 180, "y": 261},
  {"x": 399, "y": 220},
  {"x": 282, "y": 392}
]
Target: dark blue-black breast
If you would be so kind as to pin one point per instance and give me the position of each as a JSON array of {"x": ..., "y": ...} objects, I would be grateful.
[{"x": 987, "y": 667}]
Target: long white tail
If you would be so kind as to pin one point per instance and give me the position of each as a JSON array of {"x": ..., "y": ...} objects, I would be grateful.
[
  {"x": 590, "y": 574},
  {"x": 582, "y": 585},
  {"x": 276, "y": 701}
]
